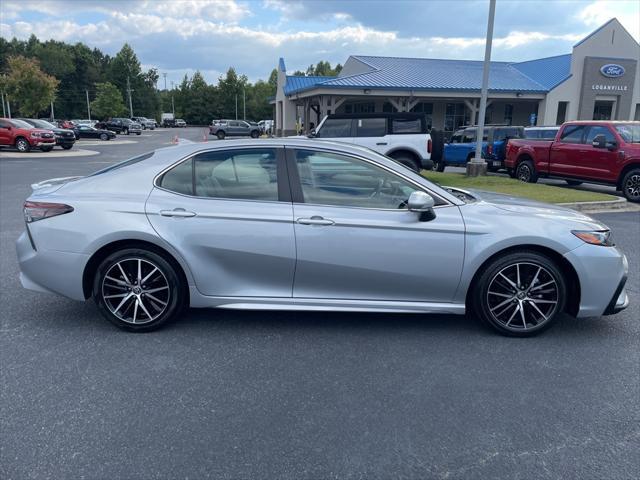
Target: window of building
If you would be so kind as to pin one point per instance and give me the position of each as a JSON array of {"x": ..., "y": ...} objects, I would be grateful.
[
  {"x": 562, "y": 112},
  {"x": 368, "y": 107},
  {"x": 426, "y": 109},
  {"x": 455, "y": 116},
  {"x": 371, "y": 127},
  {"x": 508, "y": 114},
  {"x": 572, "y": 134},
  {"x": 331, "y": 179}
]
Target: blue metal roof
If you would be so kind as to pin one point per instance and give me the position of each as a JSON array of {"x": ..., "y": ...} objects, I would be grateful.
[
  {"x": 297, "y": 83},
  {"x": 548, "y": 72}
]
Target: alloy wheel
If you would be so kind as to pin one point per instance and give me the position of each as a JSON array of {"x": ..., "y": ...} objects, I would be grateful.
[
  {"x": 524, "y": 173},
  {"x": 22, "y": 145},
  {"x": 522, "y": 296},
  {"x": 136, "y": 291},
  {"x": 632, "y": 186}
]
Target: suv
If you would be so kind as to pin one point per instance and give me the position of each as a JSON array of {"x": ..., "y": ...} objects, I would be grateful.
[
  {"x": 145, "y": 122},
  {"x": 230, "y": 128},
  {"x": 64, "y": 137},
  {"x": 462, "y": 146},
  {"x": 121, "y": 125},
  {"x": 24, "y": 137},
  {"x": 401, "y": 136}
]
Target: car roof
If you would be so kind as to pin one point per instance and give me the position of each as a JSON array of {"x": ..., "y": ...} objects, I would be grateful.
[{"x": 598, "y": 122}]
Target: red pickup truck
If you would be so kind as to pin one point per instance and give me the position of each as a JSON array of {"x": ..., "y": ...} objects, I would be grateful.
[
  {"x": 583, "y": 151},
  {"x": 21, "y": 135}
]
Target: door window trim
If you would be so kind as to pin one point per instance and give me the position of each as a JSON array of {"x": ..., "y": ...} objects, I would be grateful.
[
  {"x": 283, "y": 183},
  {"x": 297, "y": 195}
]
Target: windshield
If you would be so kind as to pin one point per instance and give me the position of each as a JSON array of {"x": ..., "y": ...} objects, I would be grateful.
[
  {"x": 43, "y": 124},
  {"x": 630, "y": 132},
  {"x": 21, "y": 123}
]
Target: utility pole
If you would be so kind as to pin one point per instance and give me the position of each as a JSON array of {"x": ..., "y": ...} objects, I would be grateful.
[
  {"x": 88, "y": 107},
  {"x": 236, "y": 106},
  {"x": 4, "y": 111},
  {"x": 130, "y": 104},
  {"x": 8, "y": 106},
  {"x": 244, "y": 105},
  {"x": 173, "y": 107},
  {"x": 164, "y": 74},
  {"x": 477, "y": 166},
  {"x": 52, "y": 114}
]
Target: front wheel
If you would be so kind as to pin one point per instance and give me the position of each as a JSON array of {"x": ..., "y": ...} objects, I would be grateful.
[
  {"x": 23, "y": 145},
  {"x": 520, "y": 294},
  {"x": 138, "y": 133},
  {"x": 526, "y": 172},
  {"x": 138, "y": 290},
  {"x": 220, "y": 135},
  {"x": 255, "y": 134},
  {"x": 67, "y": 147},
  {"x": 631, "y": 185}
]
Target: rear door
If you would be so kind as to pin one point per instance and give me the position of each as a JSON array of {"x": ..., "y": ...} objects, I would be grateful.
[
  {"x": 228, "y": 212},
  {"x": 567, "y": 154},
  {"x": 372, "y": 133},
  {"x": 599, "y": 163}
]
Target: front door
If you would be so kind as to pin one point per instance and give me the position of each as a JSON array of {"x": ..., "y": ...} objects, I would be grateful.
[
  {"x": 5, "y": 133},
  {"x": 356, "y": 239},
  {"x": 599, "y": 163},
  {"x": 567, "y": 154},
  {"x": 229, "y": 215}
]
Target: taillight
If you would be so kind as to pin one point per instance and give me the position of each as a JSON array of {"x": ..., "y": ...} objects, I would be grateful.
[
  {"x": 34, "y": 211},
  {"x": 429, "y": 146},
  {"x": 489, "y": 149}
]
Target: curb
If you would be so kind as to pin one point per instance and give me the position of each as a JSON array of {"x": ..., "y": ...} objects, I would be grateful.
[{"x": 617, "y": 204}]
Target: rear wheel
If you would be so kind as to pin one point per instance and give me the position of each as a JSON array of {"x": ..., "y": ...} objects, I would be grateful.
[
  {"x": 23, "y": 145},
  {"x": 255, "y": 134},
  {"x": 220, "y": 135},
  {"x": 526, "y": 172},
  {"x": 46, "y": 149},
  {"x": 631, "y": 185},
  {"x": 138, "y": 290},
  {"x": 138, "y": 133},
  {"x": 520, "y": 294},
  {"x": 573, "y": 183},
  {"x": 407, "y": 161},
  {"x": 67, "y": 146},
  {"x": 439, "y": 165}
]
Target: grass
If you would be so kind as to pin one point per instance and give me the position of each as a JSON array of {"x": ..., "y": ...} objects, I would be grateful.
[{"x": 509, "y": 186}]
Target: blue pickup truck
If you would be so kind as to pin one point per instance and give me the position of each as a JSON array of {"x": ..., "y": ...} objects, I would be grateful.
[{"x": 462, "y": 146}]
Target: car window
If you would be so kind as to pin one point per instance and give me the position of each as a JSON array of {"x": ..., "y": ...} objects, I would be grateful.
[
  {"x": 249, "y": 174},
  {"x": 335, "y": 128},
  {"x": 179, "y": 179},
  {"x": 502, "y": 133},
  {"x": 548, "y": 134},
  {"x": 406, "y": 125},
  {"x": 572, "y": 134},
  {"x": 371, "y": 127},
  {"x": 231, "y": 124},
  {"x": 599, "y": 130},
  {"x": 333, "y": 179},
  {"x": 4, "y": 124},
  {"x": 532, "y": 133},
  {"x": 469, "y": 136}
]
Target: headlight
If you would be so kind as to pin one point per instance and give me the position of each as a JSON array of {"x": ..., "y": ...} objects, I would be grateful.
[
  {"x": 595, "y": 237},
  {"x": 35, "y": 135}
]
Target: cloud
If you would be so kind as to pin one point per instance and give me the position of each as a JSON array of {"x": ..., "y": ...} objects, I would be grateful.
[{"x": 599, "y": 12}]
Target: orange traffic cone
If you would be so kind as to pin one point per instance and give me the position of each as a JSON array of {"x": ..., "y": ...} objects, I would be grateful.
[
  {"x": 205, "y": 137},
  {"x": 175, "y": 140}
]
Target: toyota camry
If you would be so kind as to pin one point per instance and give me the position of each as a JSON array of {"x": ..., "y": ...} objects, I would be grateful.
[{"x": 299, "y": 224}]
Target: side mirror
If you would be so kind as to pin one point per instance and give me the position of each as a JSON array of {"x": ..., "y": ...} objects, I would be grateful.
[
  {"x": 422, "y": 203},
  {"x": 312, "y": 133},
  {"x": 612, "y": 145},
  {"x": 599, "y": 142}
]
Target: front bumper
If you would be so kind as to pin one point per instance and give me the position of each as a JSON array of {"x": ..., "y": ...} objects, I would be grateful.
[{"x": 620, "y": 299}]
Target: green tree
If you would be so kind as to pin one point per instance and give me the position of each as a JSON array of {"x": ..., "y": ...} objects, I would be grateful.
[
  {"x": 29, "y": 87},
  {"x": 108, "y": 102}
]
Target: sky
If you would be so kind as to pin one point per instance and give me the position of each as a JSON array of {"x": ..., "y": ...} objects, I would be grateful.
[{"x": 182, "y": 36}]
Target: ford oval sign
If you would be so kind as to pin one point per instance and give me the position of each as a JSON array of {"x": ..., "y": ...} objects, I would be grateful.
[{"x": 612, "y": 70}]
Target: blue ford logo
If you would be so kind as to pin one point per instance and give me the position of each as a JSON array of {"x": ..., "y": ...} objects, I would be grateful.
[{"x": 612, "y": 70}]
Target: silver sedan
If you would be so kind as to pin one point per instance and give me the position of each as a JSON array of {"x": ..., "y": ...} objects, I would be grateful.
[{"x": 298, "y": 224}]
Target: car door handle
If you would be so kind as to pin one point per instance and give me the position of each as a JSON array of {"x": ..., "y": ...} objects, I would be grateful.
[
  {"x": 315, "y": 220},
  {"x": 381, "y": 143},
  {"x": 177, "y": 212}
]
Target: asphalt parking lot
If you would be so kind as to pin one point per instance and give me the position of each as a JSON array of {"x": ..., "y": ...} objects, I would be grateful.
[{"x": 230, "y": 394}]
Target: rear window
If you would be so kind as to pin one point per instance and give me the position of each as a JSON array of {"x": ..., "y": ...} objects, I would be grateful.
[
  {"x": 123, "y": 164},
  {"x": 406, "y": 125},
  {"x": 371, "y": 127},
  {"x": 504, "y": 133}
]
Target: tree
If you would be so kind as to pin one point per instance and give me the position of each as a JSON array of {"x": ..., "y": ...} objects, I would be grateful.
[
  {"x": 29, "y": 87},
  {"x": 108, "y": 102}
]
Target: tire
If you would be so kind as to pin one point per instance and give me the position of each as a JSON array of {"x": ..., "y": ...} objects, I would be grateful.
[
  {"x": 46, "y": 149},
  {"x": 573, "y": 183},
  {"x": 439, "y": 165},
  {"x": 138, "y": 133},
  {"x": 220, "y": 135},
  {"x": 104, "y": 136},
  {"x": 255, "y": 134},
  {"x": 23, "y": 145},
  {"x": 168, "y": 294},
  {"x": 516, "y": 315},
  {"x": 407, "y": 161},
  {"x": 631, "y": 185},
  {"x": 525, "y": 172},
  {"x": 67, "y": 147}
]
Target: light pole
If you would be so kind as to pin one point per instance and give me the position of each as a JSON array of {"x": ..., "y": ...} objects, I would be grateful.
[
  {"x": 130, "y": 104},
  {"x": 88, "y": 106},
  {"x": 477, "y": 166},
  {"x": 244, "y": 105},
  {"x": 164, "y": 74}
]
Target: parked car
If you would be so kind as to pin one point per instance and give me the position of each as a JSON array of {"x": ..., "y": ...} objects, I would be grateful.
[
  {"x": 79, "y": 122},
  {"x": 180, "y": 123},
  {"x": 121, "y": 125},
  {"x": 233, "y": 128},
  {"x": 462, "y": 146},
  {"x": 66, "y": 125},
  {"x": 87, "y": 131},
  {"x": 145, "y": 122},
  {"x": 583, "y": 151},
  {"x": 24, "y": 136},
  {"x": 401, "y": 136},
  {"x": 64, "y": 137},
  {"x": 548, "y": 133},
  {"x": 168, "y": 120},
  {"x": 340, "y": 228}
]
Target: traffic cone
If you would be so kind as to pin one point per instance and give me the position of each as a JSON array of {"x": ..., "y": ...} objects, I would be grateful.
[
  {"x": 205, "y": 137},
  {"x": 175, "y": 140}
]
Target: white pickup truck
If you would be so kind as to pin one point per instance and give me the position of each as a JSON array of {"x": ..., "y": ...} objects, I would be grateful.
[{"x": 401, "y": 136}]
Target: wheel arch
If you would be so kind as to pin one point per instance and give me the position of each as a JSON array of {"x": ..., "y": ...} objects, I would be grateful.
[
  {"x": 19, "y": 137},
  {"x": 109, "y": 248},
  {"x": 571, "y": 276},
  {"x": 404, "y": 150},
  {"x": 625, "y": 170}
]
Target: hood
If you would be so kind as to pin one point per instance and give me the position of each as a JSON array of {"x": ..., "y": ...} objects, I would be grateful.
[{"x": 524, "y": 207}]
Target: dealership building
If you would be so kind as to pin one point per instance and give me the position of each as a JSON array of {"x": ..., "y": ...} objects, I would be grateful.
[{"x": 599, "y": 79}]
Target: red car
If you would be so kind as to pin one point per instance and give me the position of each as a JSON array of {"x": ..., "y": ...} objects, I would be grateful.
[
  {"x": 603, "y": 152},
  {"x": 20, "y": 134}
]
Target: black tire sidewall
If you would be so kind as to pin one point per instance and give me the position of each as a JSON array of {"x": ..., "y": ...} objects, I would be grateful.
[
  {"x": 220, "y": 135},
  {"x": 178, "y": 291},
  {"x": 104, "y": 137},
  {"x": 533, "y": 177},
  {"x": 630, "y": 173},
  {"x": 480, "y": 288}
]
